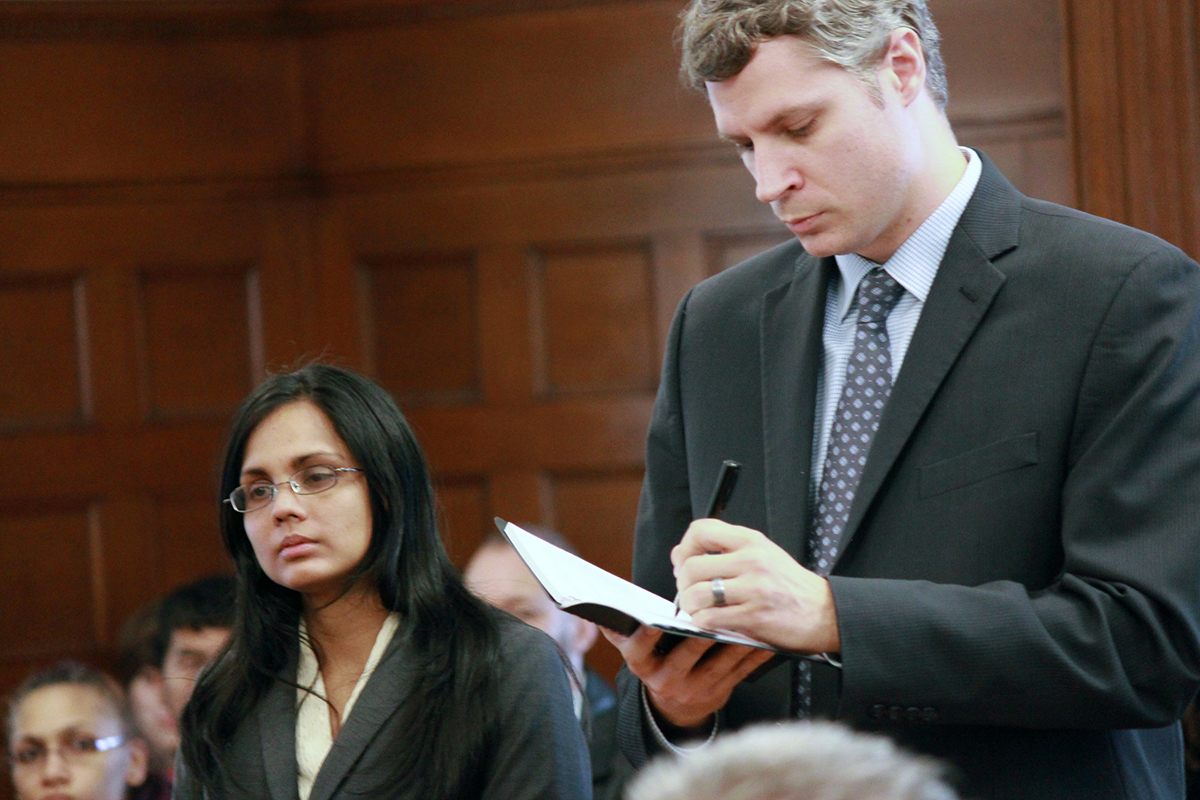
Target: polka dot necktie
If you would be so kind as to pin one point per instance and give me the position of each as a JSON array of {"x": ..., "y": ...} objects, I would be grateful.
[{"x": 868, "y": 385}]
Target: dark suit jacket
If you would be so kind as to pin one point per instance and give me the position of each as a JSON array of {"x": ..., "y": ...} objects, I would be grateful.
[
  {"x": 1019, "y": 586},
  {"x": 539, "y": 752}
]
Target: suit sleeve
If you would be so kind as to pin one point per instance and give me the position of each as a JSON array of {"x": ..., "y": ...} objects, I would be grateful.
[
  {"x": 1113, "y": 641},
  {"x": 664, "y": 512}
]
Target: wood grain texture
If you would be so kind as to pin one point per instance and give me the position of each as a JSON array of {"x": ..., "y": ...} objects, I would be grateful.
[{"x": 492, "y": 206}]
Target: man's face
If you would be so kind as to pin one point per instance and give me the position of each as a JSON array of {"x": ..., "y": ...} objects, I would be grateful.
[
  {"x": 187, "y": 654},
  {"x": 834, "y": 162},
  {"x": 498, "y": 575}
]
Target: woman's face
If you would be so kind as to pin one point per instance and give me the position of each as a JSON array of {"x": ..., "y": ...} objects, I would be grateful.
[
  {"x": 310, "y": 543},
  {"x": 62, "y": 748}
]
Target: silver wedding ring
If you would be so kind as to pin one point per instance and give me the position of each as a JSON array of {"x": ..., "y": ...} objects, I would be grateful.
[{"x": 718, "y": 591}]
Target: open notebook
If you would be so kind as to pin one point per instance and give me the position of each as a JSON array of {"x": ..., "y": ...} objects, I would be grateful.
[{"x": 585, "y": 590}]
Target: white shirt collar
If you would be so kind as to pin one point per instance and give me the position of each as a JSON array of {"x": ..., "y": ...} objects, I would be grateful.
[{"x": 915, "y": 264}]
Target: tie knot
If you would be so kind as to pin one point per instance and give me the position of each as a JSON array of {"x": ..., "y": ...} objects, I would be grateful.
[{"x": 878, "y": 292}]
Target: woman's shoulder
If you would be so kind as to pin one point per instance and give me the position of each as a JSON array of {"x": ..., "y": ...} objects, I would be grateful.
[{"x": 522, "y": 644}]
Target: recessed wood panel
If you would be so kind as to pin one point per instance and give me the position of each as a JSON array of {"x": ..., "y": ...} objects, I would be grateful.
[
  {"x": 420, "y": 327},
  {"x": 188, "y": 539},
  {"x": 727, "y": 249},
  {"x": 462, "y": 515},
  {"x": 201, "y": 343},
  {"x": 42, "y": 357},
  {"x": 594, "y": 324},
  {"x": 47, "y": 564}
]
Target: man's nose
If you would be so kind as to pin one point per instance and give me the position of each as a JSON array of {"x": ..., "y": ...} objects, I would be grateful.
[
  {"x": 775, "y": 174},
  {"x": 55, "y": 769}
]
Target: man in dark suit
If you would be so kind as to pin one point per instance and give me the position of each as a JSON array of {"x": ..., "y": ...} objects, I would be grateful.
[{"x": 969, "y": 424}]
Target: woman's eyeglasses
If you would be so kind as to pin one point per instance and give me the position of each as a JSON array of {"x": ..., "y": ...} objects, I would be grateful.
[{"x": 310, "y": 480}]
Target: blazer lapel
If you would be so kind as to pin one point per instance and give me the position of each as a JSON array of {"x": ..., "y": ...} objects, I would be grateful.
[
  {"x": 960, "y": 296},
  {"x": 793, "y": 317},
  {"x": 386, "y": 689},
  {"x": 277, "y": 727}
]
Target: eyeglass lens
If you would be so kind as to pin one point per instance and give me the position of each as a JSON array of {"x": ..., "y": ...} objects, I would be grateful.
[
  {"x": 72, "y": 747},
  {"x": 310, "y": 480}
]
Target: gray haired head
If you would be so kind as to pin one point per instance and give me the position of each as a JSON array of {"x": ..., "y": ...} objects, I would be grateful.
[
  {"x": 719, "y": 36},
  {"x": 795, "y": 761}
]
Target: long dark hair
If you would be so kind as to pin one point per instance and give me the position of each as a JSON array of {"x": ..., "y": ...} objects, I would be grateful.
[{"x": 451, "y": 631}]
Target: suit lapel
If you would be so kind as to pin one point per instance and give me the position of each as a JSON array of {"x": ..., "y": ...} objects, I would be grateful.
[
  {"x": 793, "y": 316},
  {"x": 959, "y": 298},
  {"x": 277, "y": 726},
  {"x": 386, "y": 690}
]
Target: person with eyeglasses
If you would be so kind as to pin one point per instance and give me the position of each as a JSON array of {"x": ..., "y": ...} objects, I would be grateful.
[
  {"x": 359, "y": 665},
  {"x": 71, "y": 735}
]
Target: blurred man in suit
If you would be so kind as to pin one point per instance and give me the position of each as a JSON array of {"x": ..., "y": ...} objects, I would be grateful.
[{"x": 498, "y": 575}]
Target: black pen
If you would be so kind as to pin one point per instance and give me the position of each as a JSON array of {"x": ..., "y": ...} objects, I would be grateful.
[{"x": 726, "y": 480}]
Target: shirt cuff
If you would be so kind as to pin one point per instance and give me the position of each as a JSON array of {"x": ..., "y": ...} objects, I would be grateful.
[{"x": 661, "y": 738}]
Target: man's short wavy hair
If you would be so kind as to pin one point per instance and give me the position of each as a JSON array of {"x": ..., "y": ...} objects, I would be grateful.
[{"x": 719, "y": 36}]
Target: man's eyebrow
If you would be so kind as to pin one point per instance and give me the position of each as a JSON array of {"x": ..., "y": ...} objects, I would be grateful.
[{"x": 782, "y": 118}]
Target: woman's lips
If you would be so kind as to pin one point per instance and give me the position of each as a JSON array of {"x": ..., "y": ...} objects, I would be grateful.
[{"x": 294, "y": 546}]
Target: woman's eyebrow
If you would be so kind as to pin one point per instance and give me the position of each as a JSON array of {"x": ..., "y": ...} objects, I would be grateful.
[{"x": 296, "y": 463}]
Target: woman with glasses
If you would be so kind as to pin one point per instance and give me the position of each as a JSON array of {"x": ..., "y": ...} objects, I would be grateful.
[
  {"x": 359, "y": 665},
  {"x": 71, "y": 735}
]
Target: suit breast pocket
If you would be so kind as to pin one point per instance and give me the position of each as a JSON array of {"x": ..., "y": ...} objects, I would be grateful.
[{"x": 976, "y": 465}]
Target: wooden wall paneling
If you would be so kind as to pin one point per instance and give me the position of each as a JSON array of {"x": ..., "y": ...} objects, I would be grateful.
[
  {"x": 726, "y": 248},
  {"x": 43, "y": 356},
  {"x": 679, "y": 260},
  {"x": 593, "y": 310},
  {"x": 1135, "y": 120},
  {"x": 50, "y": 588},
  {"x": 290, "y": 317},
  {"x": 505, "y": 330},
  {"x": 187, "y": 315},
  {"x": 503, "y": 87},
  {"x": 463, "y": 505},
  {"x": 189, "y": 541},
  {"x": 146, "y": 110},
  {"x": 421, "y": 337}
]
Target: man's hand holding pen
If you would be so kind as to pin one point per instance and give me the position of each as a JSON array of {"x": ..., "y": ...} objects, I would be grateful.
[
  {"x": 768, "y": 595},
  {"x": 760, "y": 591}
]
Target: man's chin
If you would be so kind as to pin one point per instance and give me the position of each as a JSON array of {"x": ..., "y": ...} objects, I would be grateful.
[{"x": 818, "y": 246}]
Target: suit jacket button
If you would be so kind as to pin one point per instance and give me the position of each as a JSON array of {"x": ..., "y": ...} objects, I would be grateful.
[
  {"x": 929, "y": 714},
  {"x": 912, "y": 714},
  {"x": 895, "y": 713},
  {"x": 877, "y": 711}
]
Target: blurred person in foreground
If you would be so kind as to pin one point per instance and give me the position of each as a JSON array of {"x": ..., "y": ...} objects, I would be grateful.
[
  {"x": 969, "y": 429},
  {"x": 163, "y": 647},
  {"x": 194, "y": 623},
  {"x": 497, "y": 573},
  {"x": 71, "y": 735},
  {"x": 359, "y": 665},
  {"x": 794, "y": 761}
]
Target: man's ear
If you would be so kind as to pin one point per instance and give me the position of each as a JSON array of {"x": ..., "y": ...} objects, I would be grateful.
[
  {"x": 902, "y": 68},
  {"x": 139, "y": 762}
]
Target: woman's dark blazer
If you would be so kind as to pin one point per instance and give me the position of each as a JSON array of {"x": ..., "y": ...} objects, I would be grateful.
[{"x": 538, "y": 750}]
